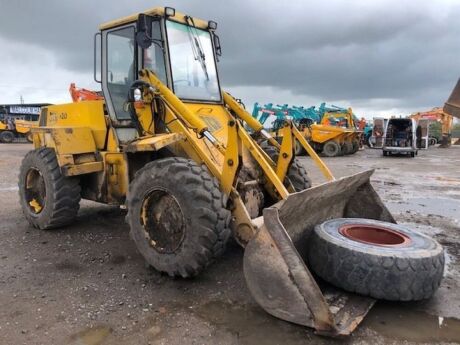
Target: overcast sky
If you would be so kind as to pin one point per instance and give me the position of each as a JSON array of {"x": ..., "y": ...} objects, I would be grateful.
[{"x": 380, "y": 57}]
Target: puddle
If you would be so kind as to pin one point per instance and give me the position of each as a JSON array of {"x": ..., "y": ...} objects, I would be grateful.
[
  {"x": 398, "y": 321},
  {"x": 91, "y": 336},
  {"x": 9, "y": 189},
  {"x": 252, "y": 325},
  {"x": 439, "y": 206},
  {"x": 385, "y": 183}
]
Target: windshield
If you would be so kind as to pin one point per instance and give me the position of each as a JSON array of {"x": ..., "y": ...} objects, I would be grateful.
[{"x": 193, "y": 66}]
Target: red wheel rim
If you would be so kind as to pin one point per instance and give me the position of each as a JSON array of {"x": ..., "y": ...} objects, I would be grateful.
[{"x": 374, "y": 235}]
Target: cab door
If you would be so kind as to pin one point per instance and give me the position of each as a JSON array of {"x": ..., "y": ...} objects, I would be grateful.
[
  {"x": 119, "y": 70},
  {"x": 422, "y": 134},
  {"x": 378, "y": 131}
]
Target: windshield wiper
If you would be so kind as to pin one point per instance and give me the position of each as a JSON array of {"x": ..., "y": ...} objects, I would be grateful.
[{"x": 197, "y": 49}]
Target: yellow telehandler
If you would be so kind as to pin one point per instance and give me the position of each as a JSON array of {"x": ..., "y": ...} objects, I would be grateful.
[{"x": 192, "y": 167}]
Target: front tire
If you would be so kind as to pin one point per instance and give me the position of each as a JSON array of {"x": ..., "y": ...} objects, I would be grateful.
[
  {"x": 7, "y": 137},
  {"x": 331, "y": 149},
  {"x": 48, "y": 199},
  {"x": 297, "y": 174},
  {"x": 177, "y": 216}
]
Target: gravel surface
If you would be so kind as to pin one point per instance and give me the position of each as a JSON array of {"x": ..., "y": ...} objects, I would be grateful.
[{"x": 87, "y": 284}]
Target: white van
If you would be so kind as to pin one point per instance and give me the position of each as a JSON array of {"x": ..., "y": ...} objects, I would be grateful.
[{"x": 400, "y": 137}]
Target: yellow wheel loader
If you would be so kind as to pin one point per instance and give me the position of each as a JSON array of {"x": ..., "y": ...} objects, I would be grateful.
[{"x": 192, "y": 167}]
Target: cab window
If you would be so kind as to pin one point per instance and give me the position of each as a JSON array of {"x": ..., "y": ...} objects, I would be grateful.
[{"x": 120, "y": 68}]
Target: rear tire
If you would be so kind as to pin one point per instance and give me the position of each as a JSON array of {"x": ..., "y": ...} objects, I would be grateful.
[
  {"x": 30, "y": 137},
  {"x": 331, "y": 149},
  {"x": 177, "y": 216},
  {"x": 347, "y": 148},
  {"x": 396, "y": 272},
  {"x": 7, "y": 137},
  {"x": 296, "y": 174},
  {"x": 48, "y": 199},
  {"x": 355, "y": 146}
]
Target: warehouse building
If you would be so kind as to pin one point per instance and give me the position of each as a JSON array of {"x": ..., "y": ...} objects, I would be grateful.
[{"x": 28, "y": 112}]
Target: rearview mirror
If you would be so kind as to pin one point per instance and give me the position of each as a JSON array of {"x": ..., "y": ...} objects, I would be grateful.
[{"x": 143, "y": 30}]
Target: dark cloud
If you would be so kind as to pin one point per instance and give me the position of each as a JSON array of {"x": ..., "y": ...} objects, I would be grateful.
[{"x": 406, "y": 52}]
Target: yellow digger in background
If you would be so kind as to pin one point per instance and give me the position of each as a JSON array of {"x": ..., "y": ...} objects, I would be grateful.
[
  {"x": 16, "y": 129},
  {"x": 344, "y": 120},
  {"x": 192, "y": 167}
]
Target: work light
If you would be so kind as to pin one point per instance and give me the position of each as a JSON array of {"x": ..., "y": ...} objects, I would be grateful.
[
  {"x": 212, "y": 25},
  {"x": 170, "y": 12}
]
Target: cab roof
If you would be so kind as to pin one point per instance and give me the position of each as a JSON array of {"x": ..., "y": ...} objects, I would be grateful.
[{"x": 178, "y": 17}]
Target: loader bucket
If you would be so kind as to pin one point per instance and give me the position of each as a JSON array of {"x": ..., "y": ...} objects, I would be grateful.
[
  {"x": 452, "y": 106},
  {"x": 274, "y": 266}
]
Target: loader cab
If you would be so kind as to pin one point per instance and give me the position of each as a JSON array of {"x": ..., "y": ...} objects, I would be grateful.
[{"x": 180, "y": 50}]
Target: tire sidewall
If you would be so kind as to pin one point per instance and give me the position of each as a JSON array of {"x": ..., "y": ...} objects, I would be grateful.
[
  {"x": 419, "y": 246},
  {"x": 329, "y": 152},
  {"x": 137, "y": 229},
  {"x": 199, "y": 224},
  {"x": 33, "y": 161},
  {"x": 6, "y": 137}
]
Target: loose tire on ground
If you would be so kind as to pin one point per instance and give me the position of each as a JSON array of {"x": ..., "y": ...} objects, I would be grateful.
[
  {"x": 177, "y": 216},
  {"x": 296, "y": 174},
  {"x": 48, "y": 199},
  {"x": 331, "y": 149},
  {"x": 406, "y": 271},
  {"x": 6, "y": 137}
]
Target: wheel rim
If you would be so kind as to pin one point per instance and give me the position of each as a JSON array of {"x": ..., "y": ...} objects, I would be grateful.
[
  {"x": 374, "y": 235},
  {"x": 35, "y": 190},
  {"x": 331, "y": 149},
  {"x": 163, "y": 221}
]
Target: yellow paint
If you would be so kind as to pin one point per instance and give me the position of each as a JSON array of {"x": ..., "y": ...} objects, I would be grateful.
[
  {"x": 69, "y": 140},
  {"x": 116, "y": 169},
  {"x": 154, "y": 143},
  {"x": 24, "y": 127},
  {"x": 179, "y": 17},
  {"x": 87, "y": 114},
  {"x": 35, "y": 205},
  {"x": 82, "y": 168},
  {"x": 312, "y": 153},
  {"x": 286, "y": 152}
]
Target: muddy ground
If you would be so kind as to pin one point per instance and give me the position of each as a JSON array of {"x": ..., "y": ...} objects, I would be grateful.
[{"x": 87, "y": 284}]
